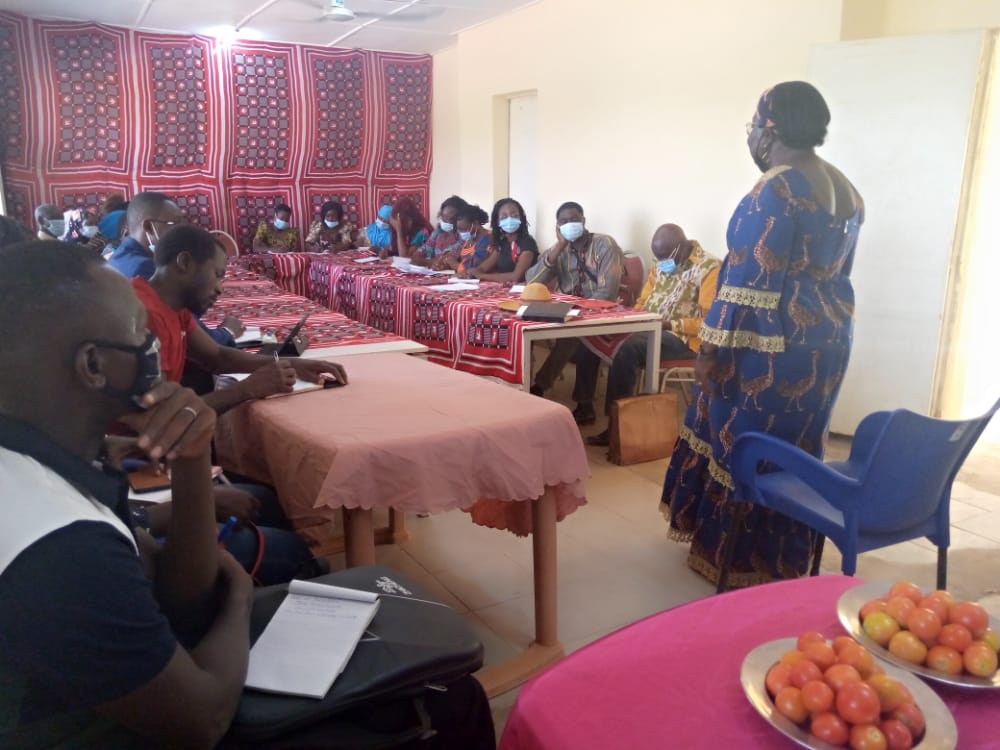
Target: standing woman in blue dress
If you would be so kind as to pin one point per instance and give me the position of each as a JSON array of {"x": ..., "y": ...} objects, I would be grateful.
[{"x": 776, "y": 341}]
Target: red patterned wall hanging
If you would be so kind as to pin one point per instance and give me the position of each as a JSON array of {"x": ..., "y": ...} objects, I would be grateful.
[{"x": 228, "y": 132}]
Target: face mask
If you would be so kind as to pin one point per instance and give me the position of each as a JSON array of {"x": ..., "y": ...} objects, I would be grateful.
[
  {"x": 510, "y": 224},
  {"x": 56, "y": 227},
  {"x": 331, "y": 224},
  {"x": 380, "y": 224},
  {"x": 89, "y": 230},
  {"x": 666, "y": 266},
  {"x": 466, "y": 236},
  {"x": 572, "y": 230},
  {"x": 280, "y": 224},
  {"x": 147, "y": 370},
  {"x": 446, "y": 227}
]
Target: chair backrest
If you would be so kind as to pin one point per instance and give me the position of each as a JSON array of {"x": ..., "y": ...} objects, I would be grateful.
[
  {"x": 912, "y": 466},
  {"x": 226, "y": 240},
  {"x": 632, "y": 279}
]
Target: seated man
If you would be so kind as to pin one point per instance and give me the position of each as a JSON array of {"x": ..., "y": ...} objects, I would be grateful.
[
  {"x": 108, "y": 640},
  {"x": 190, "y": 266},
  {"x": 149, "y": 215},
  {"x": 50, "y": 222},
  {"x": 680, "y": 287},
  {"x": 586, "y": 265}
]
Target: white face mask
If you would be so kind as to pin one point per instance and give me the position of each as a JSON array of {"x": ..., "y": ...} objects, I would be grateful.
[
  {"x": 446, "y": 227},
  {"x": 56, "y": 227},
  {"x": 89, "y": 230},
  {"x": 331, "y": 224},
  {"x": 571, "y": 230},
  {"x": 151, "y": 239}
]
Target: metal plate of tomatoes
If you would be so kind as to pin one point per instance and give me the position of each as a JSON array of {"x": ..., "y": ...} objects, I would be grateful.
[
  {"x": 850, "y": 604},
  {"x": 941, "y": 732}
]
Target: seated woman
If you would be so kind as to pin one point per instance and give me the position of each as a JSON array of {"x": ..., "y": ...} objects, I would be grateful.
[
  {"x": 378, "y": 234},
  {"x": 330, "y": 233},
  {"x": 475, "y": 242},
  {"x": 82, "y": 228},
  {"x": 444, "y": 239},
  {"x": 112, "y": 223},
  {"x": 410, "y": 229},
  {"x": 277, "y": 236},
  {"x": 512, "y": 249}
]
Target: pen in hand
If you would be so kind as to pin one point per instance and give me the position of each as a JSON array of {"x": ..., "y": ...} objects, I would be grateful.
[{"x": 226, "y": 530}]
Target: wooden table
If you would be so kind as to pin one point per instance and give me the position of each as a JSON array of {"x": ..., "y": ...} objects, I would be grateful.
[{"x": 415, "y": 437}]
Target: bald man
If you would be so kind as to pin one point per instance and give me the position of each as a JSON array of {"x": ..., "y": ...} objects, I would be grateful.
[{"x": 680, "y": 288}]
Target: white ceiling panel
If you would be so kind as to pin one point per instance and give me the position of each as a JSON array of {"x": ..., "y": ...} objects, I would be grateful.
[{"x": 418, "y": 26}]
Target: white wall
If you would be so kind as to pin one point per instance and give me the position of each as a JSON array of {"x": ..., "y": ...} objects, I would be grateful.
[{"x": 641, "y": 105}]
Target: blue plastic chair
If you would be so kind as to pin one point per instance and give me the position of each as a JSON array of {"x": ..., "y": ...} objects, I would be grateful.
[{"x": 895, "y": 486}]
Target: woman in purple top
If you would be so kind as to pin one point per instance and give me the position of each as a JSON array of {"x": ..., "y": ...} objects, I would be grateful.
[{"x": 444, "y": 239}]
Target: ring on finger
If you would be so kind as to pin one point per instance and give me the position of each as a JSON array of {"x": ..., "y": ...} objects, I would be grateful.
[{"x": 194, "y": 412}]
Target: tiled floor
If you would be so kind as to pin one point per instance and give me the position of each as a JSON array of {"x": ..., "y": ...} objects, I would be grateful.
[{"x": 616, "y": 564}]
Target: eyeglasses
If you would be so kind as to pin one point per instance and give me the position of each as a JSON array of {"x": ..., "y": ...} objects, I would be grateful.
[
  {"x": 751, "y": 126},
  {"x": 162, "y": 221}
]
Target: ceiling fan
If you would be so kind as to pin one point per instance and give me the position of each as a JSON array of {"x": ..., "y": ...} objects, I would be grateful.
[{"x": 338, "y": 10}]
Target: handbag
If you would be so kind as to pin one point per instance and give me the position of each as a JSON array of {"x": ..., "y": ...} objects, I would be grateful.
[{"x": 643, "y": 428}]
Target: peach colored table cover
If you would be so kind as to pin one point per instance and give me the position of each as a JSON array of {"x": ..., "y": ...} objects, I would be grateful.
[{"x": 412, "y": 436}]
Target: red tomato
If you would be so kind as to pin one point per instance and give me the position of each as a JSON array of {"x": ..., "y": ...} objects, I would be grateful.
[
  {"x": 937, "y": 605},
  {"x": 803, "y": 672},
  {"x": 830, "y": 728},
  {"x": 839, "y": 675},
  {"x": 788, "y": 701},
  {"x": 912, "y": 717},
  {"x": 790, "y": 657},
  {"x": 867, "y": 737},
  {"x": 875, "y": 605},
  {"x": 925, "y": 624},
  {"x": 841, "y": 641},
  {"x": 900, "y": 607},
  {"x": 944, "y": 659},
  {"x": 817, "y": 697},
  {"x": 820, "y": 654},
  {"x": 955, "y": 636},
  {"x": 909, "y": 590},
  {"x": 778, "y": 676},
  {"x": 970, "y": 614},
  {"x": 858, "y": 657},
  {"x": 810, "y": 636},
  {"x": 858, "y": 703},
  {"x": 897, "y": 736}
]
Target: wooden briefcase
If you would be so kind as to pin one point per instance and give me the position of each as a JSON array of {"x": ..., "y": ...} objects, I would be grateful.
[{"x": 643, "y": 428}]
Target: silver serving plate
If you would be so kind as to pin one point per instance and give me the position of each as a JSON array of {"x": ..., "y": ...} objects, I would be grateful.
[
  {"x": 941, "y": 732},
  {"x": 849, "y": 605}
]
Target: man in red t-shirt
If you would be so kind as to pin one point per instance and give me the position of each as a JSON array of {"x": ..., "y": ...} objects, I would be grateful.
[{"x": 190, "y": 267}]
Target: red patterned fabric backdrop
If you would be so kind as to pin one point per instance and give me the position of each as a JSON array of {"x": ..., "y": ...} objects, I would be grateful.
[{"x": 87, "y": 110}]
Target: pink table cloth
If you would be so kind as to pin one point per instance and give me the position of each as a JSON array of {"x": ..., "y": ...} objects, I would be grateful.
[
  {"x": 413, "y": 436},
  {"x": 672, "y": 679}
]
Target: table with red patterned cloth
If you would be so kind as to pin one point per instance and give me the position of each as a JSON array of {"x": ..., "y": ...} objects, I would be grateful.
[
  {"x": 262, "y": 304},
  {"x": 465, "y": 329},
  {"x": 673, "y": 679}
]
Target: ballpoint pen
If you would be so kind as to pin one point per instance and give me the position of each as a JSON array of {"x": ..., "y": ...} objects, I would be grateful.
[{"x": 226, "y": 529}]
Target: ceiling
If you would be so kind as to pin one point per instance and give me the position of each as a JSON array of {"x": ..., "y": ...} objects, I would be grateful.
[{"x": 419, "y": 26}]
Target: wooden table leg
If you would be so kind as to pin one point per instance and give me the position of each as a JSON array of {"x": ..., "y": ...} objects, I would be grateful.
[
  {"x": 359, "y": 537},
  {"x": 546, "y": 647}
]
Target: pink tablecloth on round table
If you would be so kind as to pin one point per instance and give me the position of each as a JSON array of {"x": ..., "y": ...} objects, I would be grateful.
[
  {"x": 413, "y": 436},
  {"x": 672, "y": 679}
]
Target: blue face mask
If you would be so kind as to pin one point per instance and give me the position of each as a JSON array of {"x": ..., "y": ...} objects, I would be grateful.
[
  {"x": 380, "y": 224},
  {"x": 331, "y": 224},
  {"x": 280, "y": 224},
  {"x": 466, "y": 236},
  {"x": 446, "y": 226},
  {"x": 510, "y": 224},
  {"x": 666, "y": 266}
]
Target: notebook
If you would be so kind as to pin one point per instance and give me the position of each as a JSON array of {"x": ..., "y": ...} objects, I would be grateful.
[
  {"x": 251, "y": 337},
  {"x": 310, "y": 639},
  {"x": 301, "y": 386},
  {"x": 550, "y": 312}
]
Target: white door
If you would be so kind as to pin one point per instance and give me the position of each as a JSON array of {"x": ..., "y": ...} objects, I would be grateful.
[
  {"x": 523, "y": 154},
  {"x": 901, "y": 111}
]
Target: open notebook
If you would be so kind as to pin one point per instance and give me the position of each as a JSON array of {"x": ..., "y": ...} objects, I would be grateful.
[
  {"x": 310, "y": 639},
  {"x": 301, "y": 386}
]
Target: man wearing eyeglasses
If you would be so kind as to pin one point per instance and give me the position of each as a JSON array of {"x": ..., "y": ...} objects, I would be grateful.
[{"x": 149, "y": 217}]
